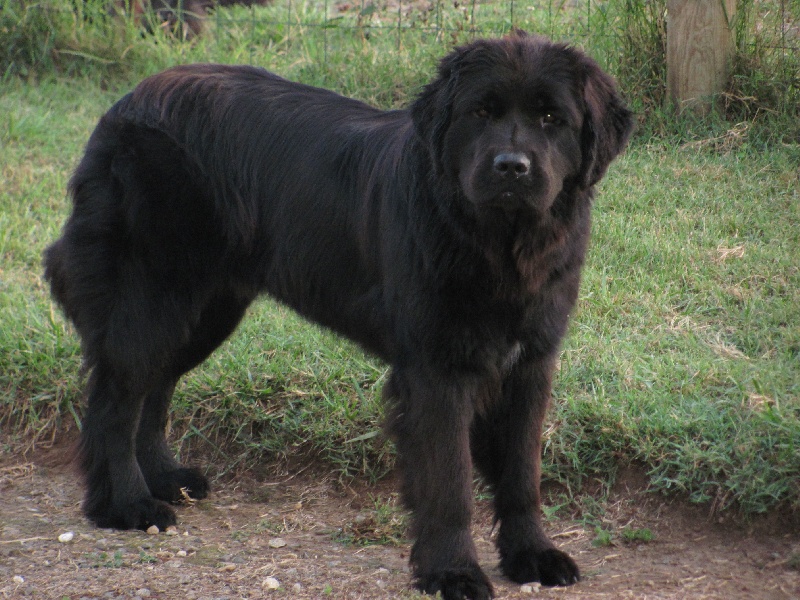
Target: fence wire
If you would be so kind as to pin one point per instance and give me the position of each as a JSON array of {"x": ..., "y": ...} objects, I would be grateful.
[
  {"x": 627, "y": 37},
  {"x": 770, "y": 28},
  {"x": 775, "y": 23}
]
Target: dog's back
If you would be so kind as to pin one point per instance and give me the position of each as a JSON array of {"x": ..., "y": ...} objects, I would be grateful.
[{"x": 171, "y": 195}]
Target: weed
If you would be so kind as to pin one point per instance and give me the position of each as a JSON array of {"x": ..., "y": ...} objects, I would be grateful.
[
  {"x": 384, "y": 525},
  {"x": 240, "y": 535},
  {"x": 637, "y": 535},
  {"x": 106, "y": 561},
  {"x": 602, "y": 538},
  {"x": 145, "y": 558},
  {"x": 268, "y": 526}
]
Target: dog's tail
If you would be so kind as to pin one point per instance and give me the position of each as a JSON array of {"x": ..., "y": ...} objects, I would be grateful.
[
  {"x": 80, "y": 266},
  {"x": 54, "y": 272}
]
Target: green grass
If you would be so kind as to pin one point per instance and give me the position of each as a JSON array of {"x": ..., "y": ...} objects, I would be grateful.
[
  {"x": 684, "y": 351},
  {"x": 385, "y": 524},
  {"x": 683, "y": 356},
  {"x": 637, "y": 535},
  {"x": 604, "y": 538}
]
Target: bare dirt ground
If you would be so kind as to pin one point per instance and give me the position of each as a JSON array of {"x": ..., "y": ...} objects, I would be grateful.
[{"x": 287, "y": 538}]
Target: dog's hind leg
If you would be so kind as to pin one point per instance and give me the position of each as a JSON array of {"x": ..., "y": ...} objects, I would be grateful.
[
  {"x": 165, "y": 477},
  {"x": 122, "y": 326},
  {"x": 136, "y": 271},
  {"x": 116, "y": 493},
  {"x": 127, "y": 463}
]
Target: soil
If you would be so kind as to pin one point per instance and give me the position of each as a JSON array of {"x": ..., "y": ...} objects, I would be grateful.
[{"x": 306, "y": 535}]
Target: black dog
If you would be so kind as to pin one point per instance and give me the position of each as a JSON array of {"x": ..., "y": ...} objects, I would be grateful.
[{"x": 447, "y": 239}]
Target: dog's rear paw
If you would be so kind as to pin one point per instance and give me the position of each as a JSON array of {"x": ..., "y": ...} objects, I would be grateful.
[
  {"x": 469, "y": 583},
  {"x": 549, "y": 567},
  {"x": 140, "y": 514},
  {"x": 178, "y": 485}
]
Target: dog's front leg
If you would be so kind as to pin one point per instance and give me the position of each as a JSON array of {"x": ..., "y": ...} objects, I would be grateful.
[
  {"x": 431, "y": 425},
  {"x": 507, "y": 448}
]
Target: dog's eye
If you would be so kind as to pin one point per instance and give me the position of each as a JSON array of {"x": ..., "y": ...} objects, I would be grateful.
[
  {"x": 550, "y": 119},
  {"x": 482, "y": 113}
]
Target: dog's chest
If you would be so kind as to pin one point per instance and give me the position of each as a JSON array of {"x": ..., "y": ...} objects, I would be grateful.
[{"x": 510, "y": 358}]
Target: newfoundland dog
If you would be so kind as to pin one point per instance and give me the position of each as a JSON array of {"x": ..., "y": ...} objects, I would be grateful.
[{"x": 447, "y": 239}]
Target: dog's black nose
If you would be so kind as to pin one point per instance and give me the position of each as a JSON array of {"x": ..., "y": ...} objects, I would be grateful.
[{"x": 512, "y": 164}]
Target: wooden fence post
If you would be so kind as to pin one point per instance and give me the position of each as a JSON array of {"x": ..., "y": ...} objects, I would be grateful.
[{"x": 699, "y": 51}]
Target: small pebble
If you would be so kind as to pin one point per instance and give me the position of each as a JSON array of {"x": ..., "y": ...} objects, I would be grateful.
[
  {"x": 270, "y": 583},
  {"x": 531, "y": 588},
  {"x": 18, "y": 579},
  {"x": 277, "y": 543},
  {"x": 142, "y": 593},
  {"x": 65, "y": 538},
  {"x": 172, "y": 530},
  {"x": 153, "y": 530},
  {"x": 180, "y": 553}
]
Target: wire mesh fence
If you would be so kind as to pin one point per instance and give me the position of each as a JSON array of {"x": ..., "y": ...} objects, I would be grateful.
[
  {"x": 627, "y": 37},
  {"x": 409, "y": 21},
  {"x": 446, "y": 22},
  {"x": 612, "y": 30},
  {"x": 774, "y": 24}
]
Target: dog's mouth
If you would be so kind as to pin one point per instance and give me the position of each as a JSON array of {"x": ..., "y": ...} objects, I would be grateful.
[
  {"x": 508, "y": 196},
  {"x": 515, "y": 199},
  {"x": 488, "y": 191},
  {"x": 511, "y": 201}
]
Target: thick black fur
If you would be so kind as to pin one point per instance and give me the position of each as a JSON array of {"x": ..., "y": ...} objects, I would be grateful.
[{"x": 447, "y": 239}]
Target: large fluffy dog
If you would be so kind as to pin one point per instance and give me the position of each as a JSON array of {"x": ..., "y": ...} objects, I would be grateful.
[{"x": 447, "y": 239}]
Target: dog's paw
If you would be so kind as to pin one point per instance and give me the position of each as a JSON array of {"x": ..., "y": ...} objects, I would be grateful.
[
  {"x": 140, "y": 514},
  {"x": 549, "y": 567},
  {"x": 178, "y": 485},
  {"x": 469, "y": 583}
]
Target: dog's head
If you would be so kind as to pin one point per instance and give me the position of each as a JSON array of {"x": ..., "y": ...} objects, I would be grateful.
[{"x": 514, "y": 121}]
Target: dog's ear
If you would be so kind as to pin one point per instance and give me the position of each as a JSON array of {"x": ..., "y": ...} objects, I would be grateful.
[
  {"x": 432, "y": 111},
  {"x": 607, "y": 123}
]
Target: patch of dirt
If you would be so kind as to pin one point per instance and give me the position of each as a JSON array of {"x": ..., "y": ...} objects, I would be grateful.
[{"x": 248, "y": 537}]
